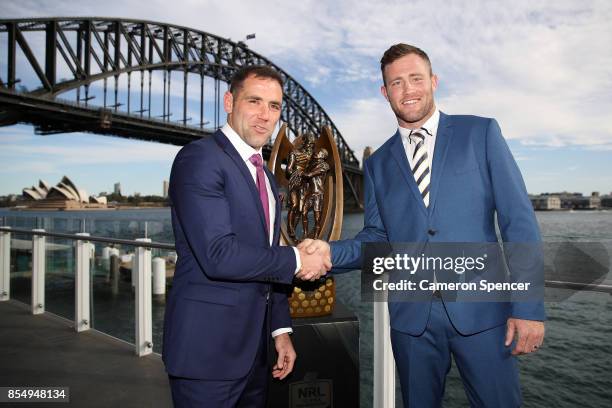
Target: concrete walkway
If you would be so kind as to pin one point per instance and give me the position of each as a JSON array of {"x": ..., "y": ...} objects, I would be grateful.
[{"x": 101, "y": 371}]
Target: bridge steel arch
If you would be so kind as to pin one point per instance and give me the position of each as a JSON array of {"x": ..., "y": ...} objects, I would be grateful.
[{"x": 109, "y": 47}]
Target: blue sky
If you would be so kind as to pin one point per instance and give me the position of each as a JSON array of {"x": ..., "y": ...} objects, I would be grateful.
[{"x": 542, "y": 69}]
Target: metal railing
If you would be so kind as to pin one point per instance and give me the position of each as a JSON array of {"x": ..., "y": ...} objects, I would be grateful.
[
  {"x": 384, "y": 364},
  {"x": 82, "y": 319}
]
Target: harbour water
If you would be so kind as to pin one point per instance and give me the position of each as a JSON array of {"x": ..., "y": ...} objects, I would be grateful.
[{"x": 571, "y": 370}]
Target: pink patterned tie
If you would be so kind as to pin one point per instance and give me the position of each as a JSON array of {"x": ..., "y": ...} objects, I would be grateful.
[{"x": 261, "y": 186}]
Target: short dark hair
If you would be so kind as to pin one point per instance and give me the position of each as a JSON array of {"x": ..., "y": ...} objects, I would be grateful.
[
  {"x": 397, "y": 51},
  {"x": 258, "y": 71}
]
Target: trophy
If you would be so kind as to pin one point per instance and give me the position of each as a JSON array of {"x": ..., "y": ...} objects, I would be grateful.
[{"x": 309, "y": 174}]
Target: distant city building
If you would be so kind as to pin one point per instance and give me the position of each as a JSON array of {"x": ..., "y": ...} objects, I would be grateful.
[
  {"x": 65, "y": 195},
  {"x": 606, "y": 201},
  {"x": 577, "y": 201},
  {"x": 566, "y": 200},
  {"x": 595, "y": 200},
  {"x": 10, "y": 200},
  {"x": 165, "y": 187},
  {"x": 543, "y": 202},
  {"x": 117, "y": 189}
]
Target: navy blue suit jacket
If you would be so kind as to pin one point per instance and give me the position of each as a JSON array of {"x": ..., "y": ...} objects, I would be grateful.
[
  {"x": 226, "y": 268},
  {"x": 474, "y": 177}
]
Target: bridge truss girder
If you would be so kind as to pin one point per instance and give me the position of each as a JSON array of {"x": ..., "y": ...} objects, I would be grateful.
[{"x": 107, "y": 48}]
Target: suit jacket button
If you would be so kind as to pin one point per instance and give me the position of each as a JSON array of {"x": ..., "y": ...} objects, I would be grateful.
[{"x": 431, "y": 231}]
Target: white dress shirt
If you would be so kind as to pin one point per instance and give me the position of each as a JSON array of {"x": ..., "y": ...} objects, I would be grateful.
[
  {"x": 246, "y": 151},
  {"x": 430, "y": 139}
]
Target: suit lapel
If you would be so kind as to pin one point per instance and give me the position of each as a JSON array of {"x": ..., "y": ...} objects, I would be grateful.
[
  {"x": 231, "y": 151},
  {"x": 443, "y": 137},
  {"x": 399, "y": 154}
]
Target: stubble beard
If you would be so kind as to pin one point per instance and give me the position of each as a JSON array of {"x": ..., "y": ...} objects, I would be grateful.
[{"x": 415, "y": 118}]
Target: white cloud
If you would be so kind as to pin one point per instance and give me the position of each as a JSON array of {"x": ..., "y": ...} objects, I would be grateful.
[
  {"x": 540, "y": 68},
  {"x": 318, "y": 75},
  {"x": 45, "y": 168},
  {"x": 534, "y": 119},
  {"x": 365, "y": 122},
  {"x": 96, "y": 151},
  {"x": 15, "y": 134}
]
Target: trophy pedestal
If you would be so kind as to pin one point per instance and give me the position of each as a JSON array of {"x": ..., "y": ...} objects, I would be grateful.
[{"x": 326, "y": 373}]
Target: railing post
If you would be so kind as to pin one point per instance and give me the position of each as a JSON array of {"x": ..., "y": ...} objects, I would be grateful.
[
  {"x": 144, "y": 318},
  {"x": 5, "y": 264},
  {"x": 114, "y": 274},
  {"x": 82, "y": 312},
  {"x": 38, "y": 272},
  {"x": 384, "y": 365},
  {"x": 159, "y": 276}
]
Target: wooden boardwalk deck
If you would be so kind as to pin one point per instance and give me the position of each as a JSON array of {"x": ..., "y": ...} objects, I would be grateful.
[{"x": 101, "y": 371}]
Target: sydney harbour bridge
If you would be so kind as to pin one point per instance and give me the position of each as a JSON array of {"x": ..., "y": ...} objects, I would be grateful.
[{"x": 137, "y": 79}]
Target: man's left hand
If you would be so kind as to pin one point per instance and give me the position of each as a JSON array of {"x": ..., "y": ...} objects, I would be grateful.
[
  {"x": 530, "y": 335},
  {"x": 286, "y": 356}
]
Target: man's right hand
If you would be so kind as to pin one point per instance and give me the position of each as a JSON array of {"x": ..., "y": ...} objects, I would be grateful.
[
  {"x": 314, "y": 264},
  {"x": 311, "y": 246}
]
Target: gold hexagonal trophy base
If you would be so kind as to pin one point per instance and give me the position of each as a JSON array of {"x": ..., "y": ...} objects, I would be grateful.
[{"x": 313, "y": 299}]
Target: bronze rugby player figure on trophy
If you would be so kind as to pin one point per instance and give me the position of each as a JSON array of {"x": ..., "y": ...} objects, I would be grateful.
[{"x": 309, "y": 172}]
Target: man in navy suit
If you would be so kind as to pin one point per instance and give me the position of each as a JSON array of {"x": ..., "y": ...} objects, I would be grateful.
[
  {"x": 446, "y": 178},
  {"x": 228, "y": 296}
]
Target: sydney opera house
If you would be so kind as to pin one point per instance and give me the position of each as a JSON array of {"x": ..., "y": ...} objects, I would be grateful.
[{"x": 63, "y": 196}]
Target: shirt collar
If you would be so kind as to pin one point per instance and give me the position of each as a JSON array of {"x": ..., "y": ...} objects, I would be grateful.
[
  {"x": 244, "y": 149},
  {"x": 431, "y": 126}
]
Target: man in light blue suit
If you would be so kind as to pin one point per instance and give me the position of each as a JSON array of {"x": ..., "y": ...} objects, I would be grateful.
[{"x": 445, "y": 178}]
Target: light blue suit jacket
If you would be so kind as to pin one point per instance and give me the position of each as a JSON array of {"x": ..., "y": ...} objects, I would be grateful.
[{"x": 474, "y": 177}]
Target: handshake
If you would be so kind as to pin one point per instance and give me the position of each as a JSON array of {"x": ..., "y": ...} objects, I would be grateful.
[{"x": 315, "y": 256}]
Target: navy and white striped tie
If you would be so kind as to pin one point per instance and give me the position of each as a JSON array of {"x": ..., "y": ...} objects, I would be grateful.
[{"x": 420, "y": 163}]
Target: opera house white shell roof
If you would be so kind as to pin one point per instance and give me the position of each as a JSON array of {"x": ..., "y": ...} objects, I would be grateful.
[{"x": 65, "y": 190}]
